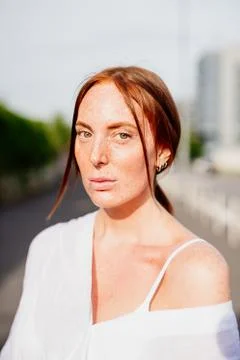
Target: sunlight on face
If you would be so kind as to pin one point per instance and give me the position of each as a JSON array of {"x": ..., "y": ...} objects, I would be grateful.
[{"x": 108, "y": 148}]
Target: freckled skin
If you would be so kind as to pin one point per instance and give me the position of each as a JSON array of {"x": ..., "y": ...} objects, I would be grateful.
[{"x": 105, "y": 153}]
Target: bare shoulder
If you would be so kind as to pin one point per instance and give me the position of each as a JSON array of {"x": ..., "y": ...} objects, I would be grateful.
[{"x": 200, "y": 275}]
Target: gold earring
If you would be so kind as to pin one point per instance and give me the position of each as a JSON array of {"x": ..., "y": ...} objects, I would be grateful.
[{"x": 159, "y": 169}]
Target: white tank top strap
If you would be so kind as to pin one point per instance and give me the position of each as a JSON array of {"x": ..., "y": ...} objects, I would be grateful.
[{"x": 145, "y": 305}]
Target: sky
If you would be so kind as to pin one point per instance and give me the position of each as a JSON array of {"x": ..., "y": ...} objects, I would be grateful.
[{"x": 49, "y": 47}]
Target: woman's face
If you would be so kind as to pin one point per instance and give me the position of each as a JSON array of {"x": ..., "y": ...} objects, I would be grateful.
[{"x": 108, "y": 148}]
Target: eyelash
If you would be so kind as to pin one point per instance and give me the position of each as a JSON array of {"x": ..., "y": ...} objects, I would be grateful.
[
  {"x": 124, "y": 133},
  {"x": 79, "y": 132}
]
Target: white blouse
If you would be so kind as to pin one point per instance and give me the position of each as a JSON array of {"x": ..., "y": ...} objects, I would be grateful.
[{"x": 54, "y": 316}]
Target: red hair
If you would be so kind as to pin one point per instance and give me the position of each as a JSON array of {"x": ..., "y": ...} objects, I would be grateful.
[{"x": 152, "y": 95}]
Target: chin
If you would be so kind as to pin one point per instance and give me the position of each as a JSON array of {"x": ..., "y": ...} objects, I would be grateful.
[{"x": 104, "y": 200}]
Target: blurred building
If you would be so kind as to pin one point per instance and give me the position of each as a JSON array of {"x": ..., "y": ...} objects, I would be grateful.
[
  {"x": 187, "y": 107},
  {"x": 208, "y": 97},
  {"x": 218, "y": 101}
]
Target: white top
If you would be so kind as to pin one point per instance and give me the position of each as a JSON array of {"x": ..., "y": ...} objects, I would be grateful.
[{"x": 54, "y": 317}]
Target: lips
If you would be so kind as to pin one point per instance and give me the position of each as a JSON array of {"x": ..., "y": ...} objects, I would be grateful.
[
  {"x": 102, "y": 184},
  {"x": 101, "y": 180}
]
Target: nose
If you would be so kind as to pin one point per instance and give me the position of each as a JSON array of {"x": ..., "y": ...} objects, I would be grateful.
[{"x": 99, "y": 152}]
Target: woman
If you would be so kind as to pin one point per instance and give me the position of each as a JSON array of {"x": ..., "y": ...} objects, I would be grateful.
[{"x": 127, "y": 281}]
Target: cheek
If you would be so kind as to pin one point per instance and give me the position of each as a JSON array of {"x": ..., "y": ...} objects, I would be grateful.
[
  {"x": 131, "y": 168},
  {"x": 129, "y": 157},
  {"x": 132, "y": 172}
]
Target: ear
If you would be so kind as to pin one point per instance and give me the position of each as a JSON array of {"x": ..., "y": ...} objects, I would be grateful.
[{"x": 163, "y": 155}]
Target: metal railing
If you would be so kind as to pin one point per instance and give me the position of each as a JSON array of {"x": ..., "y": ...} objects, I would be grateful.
[{"x": 220, "y": 210}]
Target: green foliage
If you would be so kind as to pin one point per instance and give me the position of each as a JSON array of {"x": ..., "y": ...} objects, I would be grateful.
[
  {"x": 60, "y": 132},
  {"x": 196, "y": 146},
  {"x": 27, "y": 144}
]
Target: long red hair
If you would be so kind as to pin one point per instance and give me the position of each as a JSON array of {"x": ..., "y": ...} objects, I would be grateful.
[{"x": 149, "y": 91}]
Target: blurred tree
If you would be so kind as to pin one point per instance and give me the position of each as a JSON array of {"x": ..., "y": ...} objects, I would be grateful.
[
  {"x": 27, "y": 144},
  {"x": 196, "y": 146},
  {"x": 60, "y": 132}
]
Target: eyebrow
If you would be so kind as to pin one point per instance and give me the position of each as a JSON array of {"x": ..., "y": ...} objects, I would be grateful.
[{"x": 110, "y": 127}]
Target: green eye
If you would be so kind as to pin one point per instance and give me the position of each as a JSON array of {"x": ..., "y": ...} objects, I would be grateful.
[
  {"x": 84, "y": 134},
  {"x": 124, "y": 135}
]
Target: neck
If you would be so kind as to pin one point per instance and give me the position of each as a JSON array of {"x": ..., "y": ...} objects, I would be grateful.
[{"x": 130, "y": 226}]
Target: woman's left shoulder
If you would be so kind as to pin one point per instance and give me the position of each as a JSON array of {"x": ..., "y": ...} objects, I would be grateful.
[{"x": 204, "y": 274}]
